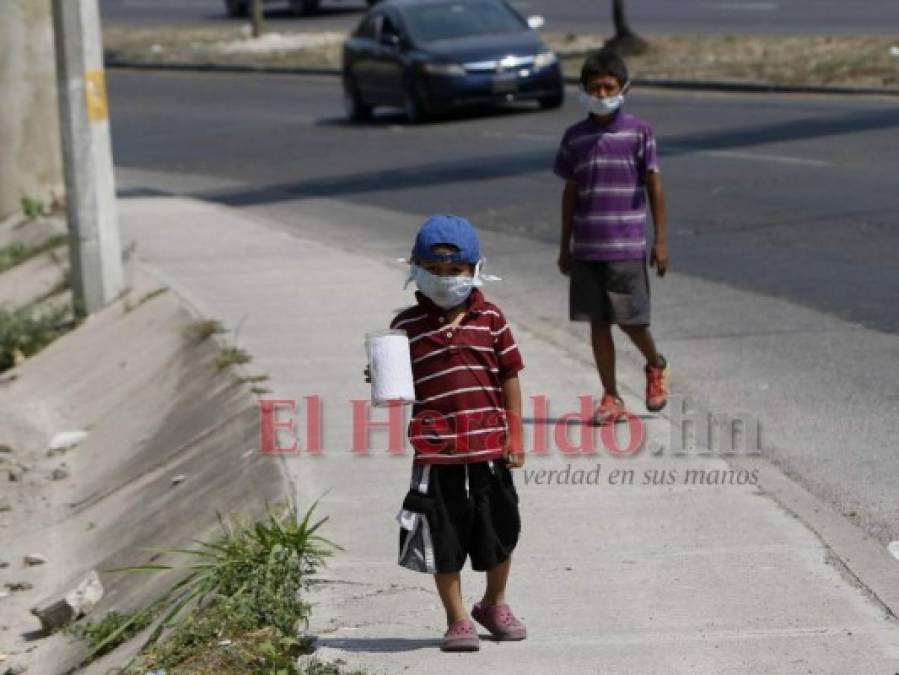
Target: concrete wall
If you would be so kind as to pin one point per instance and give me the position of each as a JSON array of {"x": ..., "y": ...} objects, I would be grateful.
[
  {"x": 156, "y": 406},
  {"x": 30, "y": 154}
]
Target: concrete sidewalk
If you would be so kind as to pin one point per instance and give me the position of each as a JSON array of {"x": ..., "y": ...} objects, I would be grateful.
[{"x": 613, "y": 578}]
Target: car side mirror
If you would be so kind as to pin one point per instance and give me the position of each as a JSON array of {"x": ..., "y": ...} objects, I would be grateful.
[
  {"x": 536, "y": 22},
  {"x": 390, "y": 40}
]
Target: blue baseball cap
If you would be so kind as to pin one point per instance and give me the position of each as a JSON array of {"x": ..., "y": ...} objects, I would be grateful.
[{"x": 447, "y": 229}]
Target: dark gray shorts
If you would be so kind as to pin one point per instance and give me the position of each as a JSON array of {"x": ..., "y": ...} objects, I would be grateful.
[{"x": 610, "y": 291}]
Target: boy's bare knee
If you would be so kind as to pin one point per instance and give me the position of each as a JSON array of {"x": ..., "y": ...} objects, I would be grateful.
[
  {"x": 635, "y": 330},
  {"x": 600, "y": 327}
]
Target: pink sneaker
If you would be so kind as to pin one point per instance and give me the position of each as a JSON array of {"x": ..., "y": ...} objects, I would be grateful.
[
  {"x": 462, "y": 636},
  {"x": 500, "y": 621}
]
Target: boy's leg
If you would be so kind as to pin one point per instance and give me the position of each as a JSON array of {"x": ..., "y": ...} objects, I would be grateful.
[
  {"x": 656, "y": 367},
  {"x": 642, "y": 339},
  {"x": 604, "y": 353},
  {"x": 449, "y": 586},
  {"x": 498, "y": 524},
  {"x": 495, "y": 593}
]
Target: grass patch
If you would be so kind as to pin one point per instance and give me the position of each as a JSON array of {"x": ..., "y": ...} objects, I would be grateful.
[
  {"x": 18, "y": 252},
  {"x": 238, "y": 607},
  {"x": 232, "y": 356},
  {"x": 32, "y": 207},
  {"x": 202, "y": 330},
  {"x": 112, "y": 630},
  {"x": 24, "y": 332},
  {"x": 252, "y": 379}
]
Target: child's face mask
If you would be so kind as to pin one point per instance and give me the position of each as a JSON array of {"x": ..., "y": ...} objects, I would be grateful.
[
  {"x": 445, "y": 292},
  {"x": 603, "y": 105}
]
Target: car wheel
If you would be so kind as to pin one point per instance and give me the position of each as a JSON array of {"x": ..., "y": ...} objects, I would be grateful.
[
  {"x": 303, "y": 7},
  {"x": 237, "y": 8},
  {"x": 413, "y": 104},
  {"x": 356, "y": 109},
  {"x": 549, "y": 102}
]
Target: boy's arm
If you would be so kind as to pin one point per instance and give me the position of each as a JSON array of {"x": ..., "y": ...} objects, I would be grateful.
[
  {"x": 512, "y": 403},
  {"x": 659, "y": 254},
  {"x": 569, "y": 200}
]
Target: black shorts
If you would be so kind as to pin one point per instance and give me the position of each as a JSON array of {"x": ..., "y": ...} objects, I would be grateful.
[
  {"x": 443, "y": 520},
  {"x": 614, "y": 291}
]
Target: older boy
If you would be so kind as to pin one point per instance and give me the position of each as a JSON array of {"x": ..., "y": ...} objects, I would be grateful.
[
  {"x": 609, "y": 164},
  {"x": 462, "y": 501}
]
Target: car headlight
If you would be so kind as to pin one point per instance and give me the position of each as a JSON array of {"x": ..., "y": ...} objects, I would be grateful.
[
  {"x": 544, "y": 59},
  {"x": 452, "y": 69}
]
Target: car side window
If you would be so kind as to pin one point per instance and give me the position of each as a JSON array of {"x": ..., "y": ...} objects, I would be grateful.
[
  {"x": 388, "y": 27},
  {"x": 369, "y": 27}
]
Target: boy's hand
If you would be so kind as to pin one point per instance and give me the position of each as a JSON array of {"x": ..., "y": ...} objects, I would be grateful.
[
  {"x": 367, "y": 374},
  {"x": 514, "y": 459},
  {"x": 565, "y": 262},
  {"x": 659, "y": 258}
]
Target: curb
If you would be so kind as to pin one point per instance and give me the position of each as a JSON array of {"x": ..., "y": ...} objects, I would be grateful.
[
  {"x": 682, "y": 85},
  {"x": 114, "y": 63},
  {"x": 752, "y": 87}
]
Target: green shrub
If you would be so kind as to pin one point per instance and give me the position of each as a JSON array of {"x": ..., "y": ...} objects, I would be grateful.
[
  {"x": 25, "y": 331},
  {"x": 32, "y": 207},
  {"x": 239, "y": 606}
]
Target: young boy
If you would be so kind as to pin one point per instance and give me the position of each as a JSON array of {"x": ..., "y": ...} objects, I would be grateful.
[
  {"x": 609, "y": 164},
  {"x": 462, "y": 501}
]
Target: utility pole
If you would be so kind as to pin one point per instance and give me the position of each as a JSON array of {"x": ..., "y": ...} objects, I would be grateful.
[
  {"x": 94, "y": 241},
  {"x": 258, "y": 19}
]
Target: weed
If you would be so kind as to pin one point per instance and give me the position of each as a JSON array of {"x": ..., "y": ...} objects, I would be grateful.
[
  {"x": 238, "y": 608},
  {"x": 128, "y": 306},
  {"x": 232, "y": 356},
  {"x": 152, "y": 294},
  {"x": 252, "y": 379},
  {"x": 32, "y": 207},
  {"x": 119, "y": 627},
  {"x": 202, "y": 330},
  {"x": 24, "y": 332},
  {"x": 18, "y": 252}
]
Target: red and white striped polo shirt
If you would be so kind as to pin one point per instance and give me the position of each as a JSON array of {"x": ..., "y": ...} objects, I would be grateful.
[{"x": 459, "y": 415}]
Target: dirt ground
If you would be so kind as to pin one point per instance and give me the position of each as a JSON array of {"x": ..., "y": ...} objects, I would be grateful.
[{"x": 849, "y": 61}]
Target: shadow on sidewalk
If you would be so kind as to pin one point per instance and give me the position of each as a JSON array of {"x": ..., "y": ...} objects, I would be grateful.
[{"x": 379, "y": 645}]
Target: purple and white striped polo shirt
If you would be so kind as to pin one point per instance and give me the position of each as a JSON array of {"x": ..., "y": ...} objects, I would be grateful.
[{"x": 609, "y": 164}]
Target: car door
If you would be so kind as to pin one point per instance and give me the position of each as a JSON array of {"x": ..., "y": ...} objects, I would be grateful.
[
  {"x": 364, "y": 50},
  {"x": 391, "y": 59}
]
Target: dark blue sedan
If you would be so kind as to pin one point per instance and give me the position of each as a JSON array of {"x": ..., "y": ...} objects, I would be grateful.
[{"x": 428, "y": 56}]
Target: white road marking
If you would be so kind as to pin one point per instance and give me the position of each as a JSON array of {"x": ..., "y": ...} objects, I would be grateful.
[
  {"x": 521, "y": 136},
  {"x": 745, "y": 6},
  {"x": 759, "y": 157}
]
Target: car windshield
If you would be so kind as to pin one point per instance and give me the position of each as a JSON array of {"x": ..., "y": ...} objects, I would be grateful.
[{"x": 446, "y": 21}]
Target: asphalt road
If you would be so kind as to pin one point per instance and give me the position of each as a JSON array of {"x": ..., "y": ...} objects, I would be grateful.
[
  {"x": 793, "y": 197},
  {"x": 648, "y": 16}
]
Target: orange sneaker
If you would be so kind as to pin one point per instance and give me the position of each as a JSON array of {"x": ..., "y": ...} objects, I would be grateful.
[
  {"x": 610, "y": 409},
  {"x": 657, "y": 386}
]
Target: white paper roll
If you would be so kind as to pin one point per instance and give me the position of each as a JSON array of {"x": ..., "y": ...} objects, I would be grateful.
[{"x": 391, "y": 367}]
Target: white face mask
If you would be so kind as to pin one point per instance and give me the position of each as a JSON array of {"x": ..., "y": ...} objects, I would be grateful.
[
  {"x": 603, "y": 105},
  {"x": 445, "y": 292}
]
